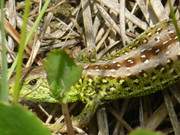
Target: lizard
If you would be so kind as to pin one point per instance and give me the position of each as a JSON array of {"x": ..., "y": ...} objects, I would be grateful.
[{"x": 148, "y": 64}]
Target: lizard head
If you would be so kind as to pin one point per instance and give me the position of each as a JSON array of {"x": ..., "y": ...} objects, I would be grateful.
[{"x": 35, "y": 88}]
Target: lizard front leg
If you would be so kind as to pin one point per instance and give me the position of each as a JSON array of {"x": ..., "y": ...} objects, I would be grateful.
[{"x": 87, "y": 113}]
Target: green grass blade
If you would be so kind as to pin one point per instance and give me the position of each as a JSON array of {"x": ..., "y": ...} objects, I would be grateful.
[
  {"x": 4, "y": 81},
  {"x": 17, "y": 86},
  {"x": 141, "y": 131}
]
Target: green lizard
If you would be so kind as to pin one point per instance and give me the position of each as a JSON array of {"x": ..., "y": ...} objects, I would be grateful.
[{"x": 148, "y": 64}]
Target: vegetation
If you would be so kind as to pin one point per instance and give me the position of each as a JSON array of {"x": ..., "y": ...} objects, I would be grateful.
[{"x": 104, "y": 25}]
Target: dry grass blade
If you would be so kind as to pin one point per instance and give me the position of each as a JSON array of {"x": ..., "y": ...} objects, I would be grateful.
[
  {"x": 88, "y": 26},
  {"x": 115, "y": 6},
  {"x": 103, "y": 39},
  {"x": 176, "y": 93},
  {"x": 108, "y": 19},
  {"x": 172, "y": 114},
  {"x": 144, "y": 8},
  {"x": 121, "y": 120},
  {"x": 157, "y": 117},
  {"x": 12, "y": 20},
  {"x": 37, "y": 41},
  {"x": 102, "y": 122},
  {"x": 159, "y": 9},
  {"x": 122, "y": 21},
  {"x": 167, "y": 8}
]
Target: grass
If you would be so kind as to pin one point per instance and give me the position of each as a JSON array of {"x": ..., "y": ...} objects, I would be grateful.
[
  {"x": 13, "y": 113},
  {"x": 26, "y": 37},
  {"x": 22, "y": 45},
  {"x": 4, "y": 81}
]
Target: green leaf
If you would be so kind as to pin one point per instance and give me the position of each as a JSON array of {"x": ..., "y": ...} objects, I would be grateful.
[
  {"x": 144, "y": 132},
  {"x": 16, "y": 120},
  {"x": 62, "y": 73}
]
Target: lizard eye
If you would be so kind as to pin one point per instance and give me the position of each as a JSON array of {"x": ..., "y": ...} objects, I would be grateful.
[{"x": 32, "y": 82}]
